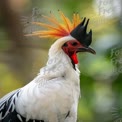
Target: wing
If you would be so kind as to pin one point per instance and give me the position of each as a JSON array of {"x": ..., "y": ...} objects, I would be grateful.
[
  {"x": 8, "y": 111},
  {"x": 7, "y": 103}
]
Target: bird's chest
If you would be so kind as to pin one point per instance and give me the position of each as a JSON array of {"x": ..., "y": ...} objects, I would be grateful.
[
  {"x": 52, "y": 101},
  {"x": 58, "y": 102}
]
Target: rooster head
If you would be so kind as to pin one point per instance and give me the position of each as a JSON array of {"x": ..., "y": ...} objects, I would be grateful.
[{"x": 77, "y": 39}]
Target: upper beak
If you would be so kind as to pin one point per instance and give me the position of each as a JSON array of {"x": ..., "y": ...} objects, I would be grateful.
[{"x": 86, "y": 49}]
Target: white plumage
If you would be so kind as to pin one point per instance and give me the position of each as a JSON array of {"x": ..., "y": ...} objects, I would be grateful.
[{"x": 53, "y": 95}]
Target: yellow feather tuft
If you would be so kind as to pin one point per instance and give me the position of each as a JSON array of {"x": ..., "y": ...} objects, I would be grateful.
[{"x": 60, "y": 29}]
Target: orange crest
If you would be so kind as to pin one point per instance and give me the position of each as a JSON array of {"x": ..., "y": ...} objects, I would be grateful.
[{"x": 60, "y": 29}]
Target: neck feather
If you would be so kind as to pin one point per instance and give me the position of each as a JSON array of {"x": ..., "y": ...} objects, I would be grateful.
[
  {"x": 57, "y": 46},
  {"x": 58, "y": 66}
]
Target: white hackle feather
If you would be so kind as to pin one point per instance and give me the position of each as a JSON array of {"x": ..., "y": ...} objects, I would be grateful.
[{"x": 53, "y": 95}]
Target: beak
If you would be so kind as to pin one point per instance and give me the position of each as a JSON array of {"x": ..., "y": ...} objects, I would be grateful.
[{"x": 86, "y": 49}]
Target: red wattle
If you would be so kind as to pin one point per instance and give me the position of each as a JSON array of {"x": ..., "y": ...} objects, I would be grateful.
[{"x": 74, "y": 58}]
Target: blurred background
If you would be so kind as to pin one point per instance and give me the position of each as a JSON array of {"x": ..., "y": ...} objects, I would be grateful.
[{"x": 101, "y": 74}]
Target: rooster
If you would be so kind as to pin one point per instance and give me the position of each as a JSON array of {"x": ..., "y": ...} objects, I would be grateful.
[{"x": 52, "y": 96}]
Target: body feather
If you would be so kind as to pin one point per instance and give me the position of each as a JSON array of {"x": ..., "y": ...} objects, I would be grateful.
[{"x": 51, "y": 97}]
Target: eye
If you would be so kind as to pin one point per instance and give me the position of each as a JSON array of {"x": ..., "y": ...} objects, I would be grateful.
[
  {"x": 74, "y": 43},
  {"x": 65, "y": 45}
]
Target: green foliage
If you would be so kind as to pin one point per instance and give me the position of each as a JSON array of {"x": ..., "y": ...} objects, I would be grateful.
[{"x": 101, "y": 74}]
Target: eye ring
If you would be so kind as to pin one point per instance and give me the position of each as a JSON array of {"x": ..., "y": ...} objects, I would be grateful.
[
  {"x": 74, "y": 43},
  {"x": 65, "y": 45}
]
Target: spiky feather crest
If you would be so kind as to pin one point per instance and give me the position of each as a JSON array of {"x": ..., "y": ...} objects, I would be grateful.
[
  {"x": 76, "y": 28},
  {"x": 60, "y": 29}
]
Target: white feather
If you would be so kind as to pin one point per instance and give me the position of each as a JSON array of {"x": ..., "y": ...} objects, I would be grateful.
[{"x": 54, "y": 92}]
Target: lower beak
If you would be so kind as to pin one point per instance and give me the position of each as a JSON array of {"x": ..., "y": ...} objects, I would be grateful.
[{"x": 86, "y": 49}]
